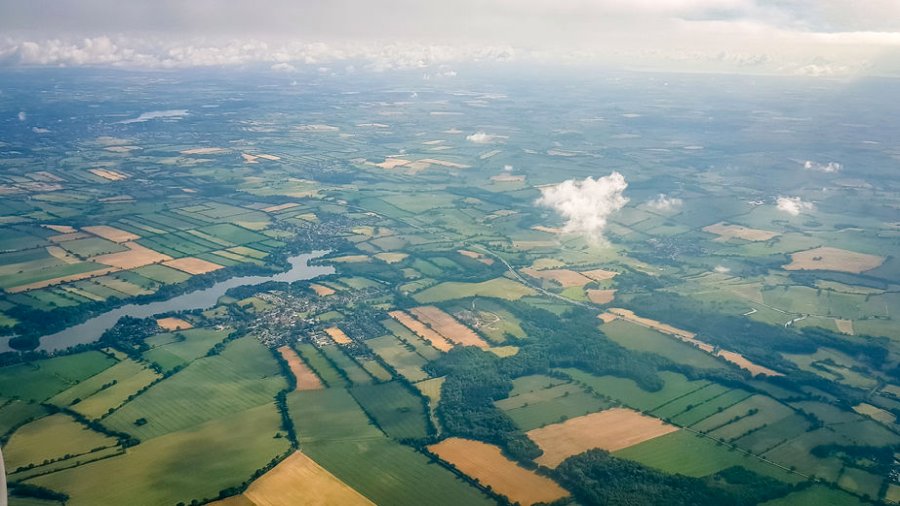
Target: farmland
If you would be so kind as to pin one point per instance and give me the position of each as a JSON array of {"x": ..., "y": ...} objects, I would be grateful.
[{"x": 453, "y": 340}]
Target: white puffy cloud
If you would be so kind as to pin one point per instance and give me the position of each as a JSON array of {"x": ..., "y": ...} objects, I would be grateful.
[
  {"x": 587, "y": 204},
  {"x": 794, "y": 205},
  {"x": 22, "y": 116},
  {"x": 39, "y": 130},
  {"x": 829, "y": 167},
  {"x": 721, "y": 269},
  {"x": 665, "y": 203},
  {"x": 484, "y": 138}
]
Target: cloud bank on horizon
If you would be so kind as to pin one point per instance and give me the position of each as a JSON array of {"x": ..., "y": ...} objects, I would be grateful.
[
  {"x": 820, "y": 38},
  {"x": 587, "y": 204}
]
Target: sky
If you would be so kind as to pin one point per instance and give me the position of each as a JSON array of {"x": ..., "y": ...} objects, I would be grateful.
[{"x": 828, "y": 38}]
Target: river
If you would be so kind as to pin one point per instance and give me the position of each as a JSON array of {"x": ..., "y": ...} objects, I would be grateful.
[{"x": 90, "y": 330}]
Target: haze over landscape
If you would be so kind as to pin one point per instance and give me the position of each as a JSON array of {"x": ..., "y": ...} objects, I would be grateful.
[{"x": 566, "y": 253}]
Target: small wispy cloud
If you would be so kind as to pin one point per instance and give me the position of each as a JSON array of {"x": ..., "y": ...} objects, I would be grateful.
[
  {"x": 829, "y": 167},
  {"x": 665, "y": 203},
  {"x": 484, "y": 138},
  {"x": 283, "y": 67},
  {"x": 175, "y": 114},
  {"x": 22, "y": 116},
  {"x": 721, "y": 269},
  {"x": 794, "y": 205},
  {"x": 587, "y": 204},
  {"x": 39, "y": 130}
]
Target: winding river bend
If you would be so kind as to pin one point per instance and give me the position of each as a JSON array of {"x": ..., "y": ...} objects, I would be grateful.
[{"x": 90, "y": 330}]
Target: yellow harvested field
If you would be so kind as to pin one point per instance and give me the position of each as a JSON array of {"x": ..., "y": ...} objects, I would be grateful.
[
  {"x": 192, "y": 265},
  {"x": 391, "y": 257},
  {"x": 337, "y": 335},
  {"x": 61, "y": 254},
  {"x": 108, "y": 174},
  {"x": 171, "y": 323},
  {"x": 69, "y": 236},
  {"x": 306, "y": 378},
  {"x": 299, "y": 481},
  {"x": 601, "y": 296},
  {"x": 392, "y": 163},
  {"x": 875, "y": 413},
  {"x": 59, "y": 280},
  {"x": 600, "y": 274},
  {"x": 611, "y": 430},
  {"x": 136, "y": 256},
  {"x": 448, "y": 327},
  {"x": 280, "y": 207},
  {"x": 487, "y": 464},
  {"x": 62, "y": 229},
  {"x": 727, "y": 232},
  {"x": 111, "y": 233},
  {"x": 745, "y": 363},
  {"x": 204, "y": 151},
  {"x": 548, "y": 230},
  {"x": 350, "y": 259},
  {"x": 322, "y": 290},
  {"x": 508, "y": 178},
  {"x": 444, "y": 163},
  {"x": 565, "y": 277},
  {"x": 504, "y": 351},
  {"x": 833, "y": 259},
  {"x": 607, "y": 317},
  {"x": 844, "y": 326},
  {"x": 419, "y": 329},
  {"x": 476, "y": 256}
]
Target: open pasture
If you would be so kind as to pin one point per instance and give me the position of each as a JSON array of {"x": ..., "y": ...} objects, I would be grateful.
[
  {"x": 336, "y": 433},
  {"x": 611, "y": 430},
  {"x": 171, "y": 350},
  {"x": 190, "y": 464},
  {"x": 43, "y": 379},
  {"x": 406, "y": 362},
  {"x": 93, "y": 396},
  {"x": 500, "y": 288},
  {"x": 487, "y": 464},
  {"x": 689, "y": 454},
  {"x": 51, "y": 437},
  {"x": 323, "y": 368},
  {"x": 353, "y": 371},
  {"x": 398, "y": 412},
  {"x": 629, "y": 393},
  {"x": 242, "y": 376}
]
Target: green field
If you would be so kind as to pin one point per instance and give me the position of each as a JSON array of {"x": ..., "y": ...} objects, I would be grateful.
[
  {"x": 43, "y": 379},
  {"x": 817, "y": 495},
  {"x": 14, "y": 412},
  {"x": 194, "y": 463},
  {"x": 335, "y": 433},
  {"x": 244, "y": 375},
  {"x": 405, "y": 362},
  {"x": 541, "y": 407},
  {"x": 171, "y": 350},
  {"x": 356, "y": 374},
  {"x": 500, "y": 288},
  {"x": 49, "y": 438},
  {"x": 630, "y": 394},
  {"x": 320, "y": 365},
  {"x": 638, "y": 338},
  {"x": 691, "y": 455},
  {"x": 100, "y": 393},
  {"x": 399, "y": 413}
]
